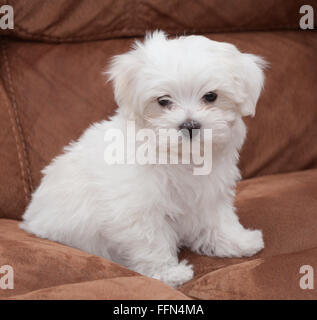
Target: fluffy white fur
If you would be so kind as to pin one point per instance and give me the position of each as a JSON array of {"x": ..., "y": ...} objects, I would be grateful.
[{"x": 140, "y": 215}]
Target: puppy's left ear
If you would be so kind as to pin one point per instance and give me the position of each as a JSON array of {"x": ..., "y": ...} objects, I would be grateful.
[
  {"x": 251, "y": 82},
  {"x": 122, "y": 72}
]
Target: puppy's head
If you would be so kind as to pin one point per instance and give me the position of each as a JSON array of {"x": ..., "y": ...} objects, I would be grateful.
[{"x": 187, "y": 83}]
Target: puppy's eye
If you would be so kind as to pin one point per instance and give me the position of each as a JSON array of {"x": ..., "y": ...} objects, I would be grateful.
[
  {"x": 164, "y": 101},
  {"x": 210, "y": 96}
]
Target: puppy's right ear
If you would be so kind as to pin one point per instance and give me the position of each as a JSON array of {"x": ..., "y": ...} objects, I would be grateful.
[
  {"x": 251, "y": 81},
  {"x": 122, "y": 72}
]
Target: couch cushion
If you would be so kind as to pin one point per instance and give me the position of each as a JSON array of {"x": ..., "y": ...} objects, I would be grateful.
[
  {"x": 118, "y": 288},
  {"x": 57, "y": 91},
  {"x": 72, "y": 20},
  {"x": 271, "y": 278},
  {"x": 284, "y": 207},
  {"x": 46, "y": 269}
]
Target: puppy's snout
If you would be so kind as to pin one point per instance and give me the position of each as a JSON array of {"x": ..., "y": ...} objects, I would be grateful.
[{"x": 189, "y": 127}]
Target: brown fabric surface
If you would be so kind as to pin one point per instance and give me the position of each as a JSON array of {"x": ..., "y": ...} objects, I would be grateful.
[
  {"x": 73, "y": 20},
  {"x": 282, "y": 136},
  {"x": 45, "y": 269},
  {"x": 57, "y": 91},
  {"x": 284, "y": 207},
  {"x": 269, "y": 278},
  {"x": 119, "y": 288}
]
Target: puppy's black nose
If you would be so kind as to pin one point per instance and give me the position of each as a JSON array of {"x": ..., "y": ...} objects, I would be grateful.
[{"x": 189, "y": 126}]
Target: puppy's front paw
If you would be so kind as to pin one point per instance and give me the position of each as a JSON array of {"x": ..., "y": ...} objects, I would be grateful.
[
  {"x": 175, "y": 275},
  {"x": 246, "y": 243}
]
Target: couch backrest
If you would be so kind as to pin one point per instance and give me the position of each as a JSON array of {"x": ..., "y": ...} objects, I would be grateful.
[
  {"x": 80, "y": 20},
  {"x": 51, "y": 88}
]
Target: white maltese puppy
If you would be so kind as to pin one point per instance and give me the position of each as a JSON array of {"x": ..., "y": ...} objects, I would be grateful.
[{"x": 140, "y": 215}]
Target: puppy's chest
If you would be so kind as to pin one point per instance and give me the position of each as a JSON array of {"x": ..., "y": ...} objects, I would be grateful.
[{"x": 187, "y": 197}]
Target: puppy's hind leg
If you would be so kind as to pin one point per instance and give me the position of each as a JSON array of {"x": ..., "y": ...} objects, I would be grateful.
[
  {"x": 224, "y": 236},
  {"x": 231, "y": 239}
]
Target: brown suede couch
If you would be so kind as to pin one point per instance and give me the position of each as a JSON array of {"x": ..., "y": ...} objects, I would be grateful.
[{"x": 51, "y": 89}]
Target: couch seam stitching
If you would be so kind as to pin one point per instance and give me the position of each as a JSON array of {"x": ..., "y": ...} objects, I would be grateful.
[
  {"x": 26, "y": 173},
  {"x": 15, "y": 135}
]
